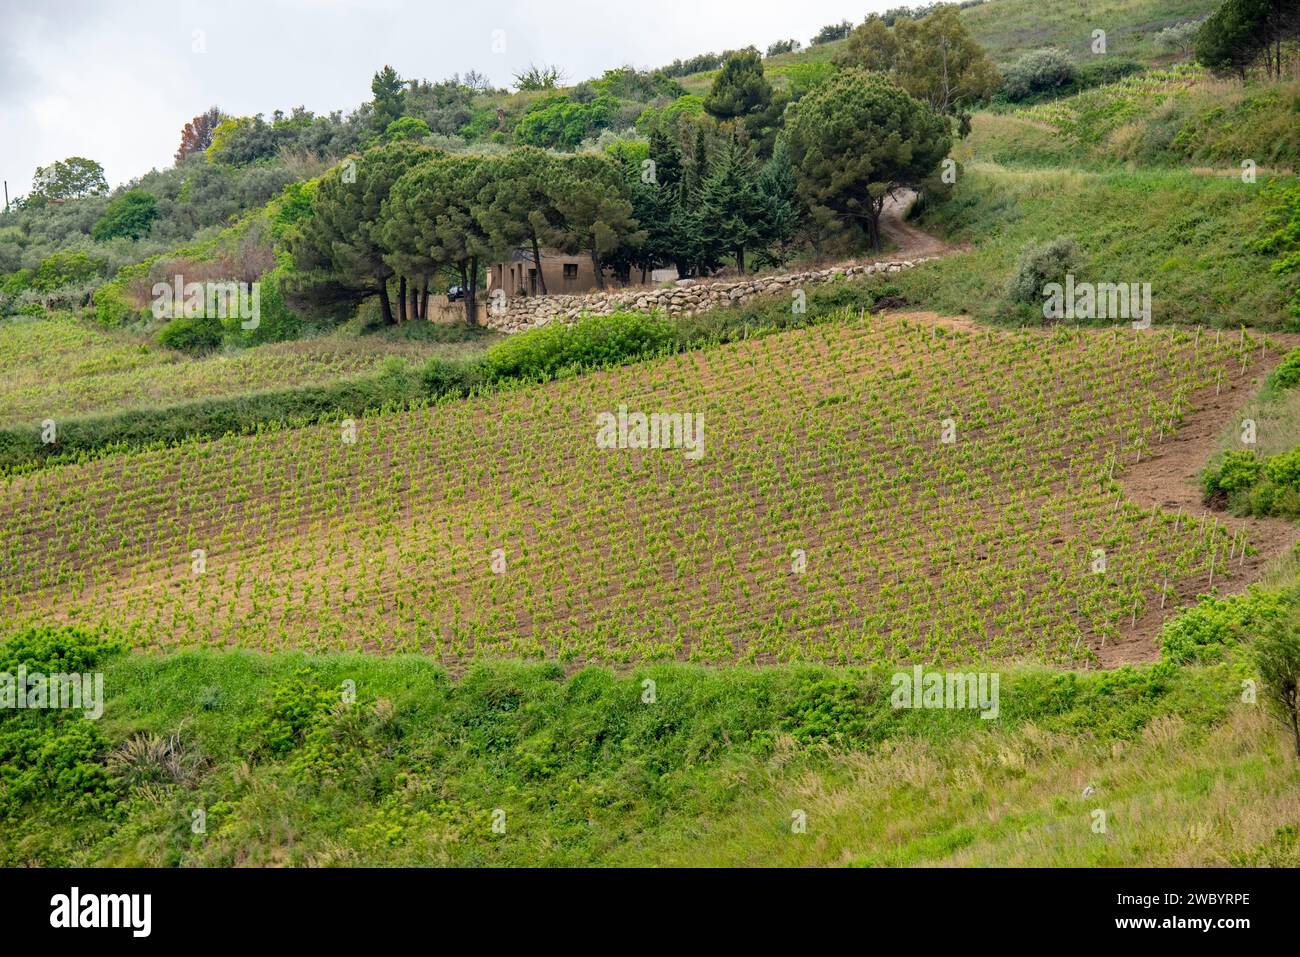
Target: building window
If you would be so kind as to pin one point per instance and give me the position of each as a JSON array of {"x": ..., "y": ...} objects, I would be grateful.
[{"x": 570, "y": 272}]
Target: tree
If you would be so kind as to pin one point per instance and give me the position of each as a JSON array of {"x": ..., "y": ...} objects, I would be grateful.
[
  {"x": 856, "y": 139},
  {"x": 934, "y": 59},
  {"x": 541, "y": 77},
  {"x": 435, "y": 218},
  {"x": 1239, "y": 31},
  {"x": 594, "y": 208},
  {"x": 196, "y": 135},
  {"x": 777, "y": 186},
  {"x": 832, "y": 32},
  {"x": 872, "y": 46},
  {"x": 338, "y": 250},
  {"x": 65, "y": 268},
  {"x": 1038, "y": 71},
  {"x": 407, "y": 128},
  {"x": 1276, "y": 656},
  {"x": 71, "y": 178},
  {"x": 731, "y": 213},
  {"x": 739, "y": 88},
  {"x": 561, "y": 123},
  {"x": 783, "y": 46},
  {"x": 517, "y": 207},
  {"x": 130, "y": 214},
  {"x": 389, "y": 101}
]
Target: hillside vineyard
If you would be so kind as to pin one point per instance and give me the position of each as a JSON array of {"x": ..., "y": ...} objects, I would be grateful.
[{"x": 872, "y": 488}]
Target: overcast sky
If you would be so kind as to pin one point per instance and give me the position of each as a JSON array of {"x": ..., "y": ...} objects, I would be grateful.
[{"x": 117, "y": 81}]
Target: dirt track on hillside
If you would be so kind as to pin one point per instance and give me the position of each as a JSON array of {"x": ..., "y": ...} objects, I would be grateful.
[{"x": 912, "y": 242}]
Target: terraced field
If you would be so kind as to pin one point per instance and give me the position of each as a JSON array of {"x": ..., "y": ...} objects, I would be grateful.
[
  {"x": 872, "y": 488},
  {"x": 58, "y": 368}
]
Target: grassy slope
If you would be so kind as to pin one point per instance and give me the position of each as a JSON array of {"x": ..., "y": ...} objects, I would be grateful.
[
  {"x": 62, "y": 368},
  {"x": 588, "y": 772},
  {"x": 1187, "y": 234},
  {"x": 1176, "y": 117},
  {"x": 1008, "y": 28}
]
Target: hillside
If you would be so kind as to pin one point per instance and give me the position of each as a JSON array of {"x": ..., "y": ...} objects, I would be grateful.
[
  {"x": 809, "y": 536},
  {"x": 1009, "y": 28}
]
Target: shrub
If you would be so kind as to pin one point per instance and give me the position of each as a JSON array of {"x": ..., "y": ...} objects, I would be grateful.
[
  {"x": 1275, "y": 653},
  {"x": 1213, "y": 626},
  {"x": 1104, "y": 70},
  {"x": 131, "y": 215},
  {"x": 297, "y": 705},
  {"x": 51, "y": 650},
  {"x": 1284, "y": 469},
  {"x": 1038, "y": 71},
  {"x": 595, "y": 341},
  {"x": 53, "y": 755},
  {"x": 65, "y": 269},
  {"x": 276, "y": 321},
  {"x": 195, "y": 335},
  {"x": 1039, "y": 264},
  {"x": 561, "y": 123},
  {"x": 1287, "y": 373},
  {"x": 1236, "y": 472},
  {"x": 111, "y": 306}
]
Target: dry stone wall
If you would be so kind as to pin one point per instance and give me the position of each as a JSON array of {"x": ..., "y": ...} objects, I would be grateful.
[{"x": 684, "y": 298}]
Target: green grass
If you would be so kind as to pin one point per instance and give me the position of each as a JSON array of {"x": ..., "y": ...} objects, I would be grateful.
[
  {"x": 63, "y": 368},
  {"x": 1009, "y": 28},
  {"x": 1173, "y": 117},
  {"x": 594, "y": 769},
  {"x": 1188, "y": 235}
]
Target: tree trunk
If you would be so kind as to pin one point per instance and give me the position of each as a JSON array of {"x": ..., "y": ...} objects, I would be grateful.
[
  {"x": 469, "y": 282},
  {"x": 1293, "y": 712},
  {"x": 401, "y": 299},
  {"x": 424, "y": 297},
  {"x": 415, "y": 301},
  {"x": 386, "y": 307},
  {"x": 537, "y": 261},
  {"x": 874, "y": 209},
  {"x": 600, "y": 273},
  {"x": 740, "y": 260}
]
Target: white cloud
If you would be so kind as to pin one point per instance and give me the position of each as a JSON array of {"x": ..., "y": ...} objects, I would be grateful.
[{"x": 117, "y": 82}]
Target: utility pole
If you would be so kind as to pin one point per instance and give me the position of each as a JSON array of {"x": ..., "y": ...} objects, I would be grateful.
[{"x": 6, "y": 196}]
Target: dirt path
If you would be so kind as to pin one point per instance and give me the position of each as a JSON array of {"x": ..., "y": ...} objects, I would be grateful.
[
  {"x": 912, "y": 243},
  {"x": 1169, "y": 480}
]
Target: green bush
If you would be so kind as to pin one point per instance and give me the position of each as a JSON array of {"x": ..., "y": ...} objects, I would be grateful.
[
  {"x": 65, "y": 269},
  {"x": 52, "y": 755},
  {"x": 1287, "y": 373},
  {"x": 594, "y": 342},
  {"x": 131, "y": 215},
  {"x": 193, "y": 334},
  {"x": 1041, "y": 263},
  {"x": 1038, "y": 71},
  {"x": 276, "y": 321},
  {"x": 1213, "y": 626},
  {"x": 51, "y": 649},
  {"x": 1236, "y": 472},
  {"x": 111, "y": 306},
  {"x": 560, "y": 123},
  {"x": 1284, "y": 469},
  {"x": 296, "y": 706}
]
